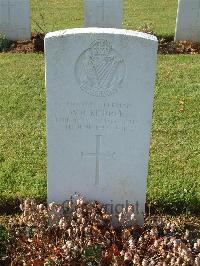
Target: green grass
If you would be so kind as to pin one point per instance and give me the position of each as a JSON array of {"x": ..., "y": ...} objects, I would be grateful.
[
  {"x": 22, "y": 123},
  {"x": 54, "y": 15},
  {"x": 174, "y": 172},
  {"x": 159, "y": 15},
  {"x": 51, "y": 15},
  {"x": 174, "y": 169}
]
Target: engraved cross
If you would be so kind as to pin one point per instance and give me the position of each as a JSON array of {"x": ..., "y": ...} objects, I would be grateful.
[{"x": 98, "y": 155}]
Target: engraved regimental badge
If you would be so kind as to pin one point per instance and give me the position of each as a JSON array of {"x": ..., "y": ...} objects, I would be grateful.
[{"x": 100, "y": 70}]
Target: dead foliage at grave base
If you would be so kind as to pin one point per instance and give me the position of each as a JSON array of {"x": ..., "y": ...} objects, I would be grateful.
[
  {"x": 35, "y": 45},
  {"x": 81, "y": 233},
  {"x": 166, "y": 46}
]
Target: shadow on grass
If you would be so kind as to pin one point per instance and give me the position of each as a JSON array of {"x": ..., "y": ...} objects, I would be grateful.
[
  {"x": 167, "y": 38},
  {"x": 180, "y": 207},
  {"x": 11, "y": 206}
]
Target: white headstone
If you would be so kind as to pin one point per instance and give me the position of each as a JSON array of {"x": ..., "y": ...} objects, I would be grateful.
[
  {"x": 15, "y": 19},
  {"x": 188, "y": 20},
  {"x": 104, "y": 13},
  {"x": 99, "y": 110}
]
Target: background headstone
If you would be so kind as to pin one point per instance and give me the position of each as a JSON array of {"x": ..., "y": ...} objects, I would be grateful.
[
  {"x": 104, "y": 13},
  {"x": 15, "y": 19},
  {"x": 99, "y": 107},
  {"x": 188, "y": 20}
]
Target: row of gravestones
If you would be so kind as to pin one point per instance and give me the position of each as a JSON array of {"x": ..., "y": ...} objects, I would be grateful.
[
  {"x": 99, "y": 84},
  {"x": 15, "y": 17}
]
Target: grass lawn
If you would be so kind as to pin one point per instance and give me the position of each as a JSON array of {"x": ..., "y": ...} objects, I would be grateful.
[
  {"x": 22, "y": 134},
  {"x": 174, "y": 173},
  {"x": 174, "y": 179},
  {"x": 51, "y": 15}
]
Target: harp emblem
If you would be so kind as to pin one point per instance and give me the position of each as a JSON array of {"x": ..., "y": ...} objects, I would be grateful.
[{"x": 100, "y": 70}]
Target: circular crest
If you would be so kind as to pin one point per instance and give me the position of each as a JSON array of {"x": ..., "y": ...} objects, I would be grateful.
[{"x": 100, "y": 70}]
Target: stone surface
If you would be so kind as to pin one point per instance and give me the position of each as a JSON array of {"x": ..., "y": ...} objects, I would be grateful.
[
  {"x": 99, "y": 110},
  {"x": 188, "y": 20},
  {"x": 15, "y": 19},
  {"x": 104, "y": 13}
]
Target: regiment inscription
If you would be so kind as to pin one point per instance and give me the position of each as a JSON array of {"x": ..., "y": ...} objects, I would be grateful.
[{"x": 92, "y": 116}]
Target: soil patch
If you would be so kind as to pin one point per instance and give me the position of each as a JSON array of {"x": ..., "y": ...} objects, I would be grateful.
[
  {"x": 35, "y": 45},
  {"x": 166, "y": 46}
]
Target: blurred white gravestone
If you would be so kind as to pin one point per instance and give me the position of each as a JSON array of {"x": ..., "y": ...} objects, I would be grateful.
[
  {"x": 104, "y": 13},
  {"x": 99, "y": 110},
  {"x": 188, "y": 20},
  {"x": 15, "y": 19}
]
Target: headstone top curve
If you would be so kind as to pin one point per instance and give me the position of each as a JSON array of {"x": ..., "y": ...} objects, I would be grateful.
[{"x": 78, "y": 31}]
